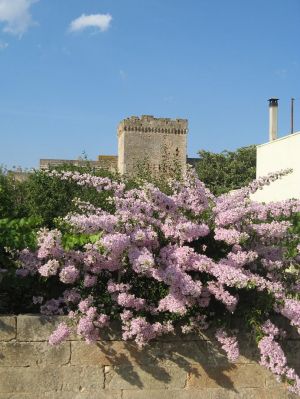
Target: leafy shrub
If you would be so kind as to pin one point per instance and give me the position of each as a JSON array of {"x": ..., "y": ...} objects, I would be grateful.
[
  {"x": 26, "y": 206},
  {"x": 49, "y": 197},
  {"x": 186, "y": 259},
  {"x": 12, "y": 196},
  {"x": 16, "y": 294}
]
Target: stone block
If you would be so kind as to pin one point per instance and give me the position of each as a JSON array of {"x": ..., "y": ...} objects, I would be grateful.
[
  {"x": 103, "y": 394},
  {"x": 264, "y": 393},
  {"x": 39, "y": 380},
  {"x": 8, "y": 328},
  {"x": 209, "y": 393},
  {"x": 119, "y": 352},
  {"x": 146, "y": 376},
  {"x": 37, "y": 327},
  {"x": 177, "y": 394},
  {"x": 116, "y": 353},
  {"x": 231, "y": 377},
  {"x": 18, "y": 396},
  {"x": 111, "y": 333},
  {"x": 101, "y": 353},
  {"x": 34, "y": 353}
]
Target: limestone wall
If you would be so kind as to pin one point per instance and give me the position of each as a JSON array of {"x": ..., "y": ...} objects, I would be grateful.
[{"x": 175, "y": 367}]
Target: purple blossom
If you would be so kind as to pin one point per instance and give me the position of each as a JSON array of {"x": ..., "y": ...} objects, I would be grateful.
[
  {"x": 69, "y": 274},
  {"x": 59, "y": 335},
  {"x": 49, "y": 269},
  {"x": 229, "y": 344},
  {"x": 89, "y": 280}
]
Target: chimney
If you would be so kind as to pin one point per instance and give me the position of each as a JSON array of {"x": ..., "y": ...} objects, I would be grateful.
[{"x": 273, "y": 118}]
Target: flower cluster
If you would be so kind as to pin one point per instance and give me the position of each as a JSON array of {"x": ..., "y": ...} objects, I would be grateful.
[
  {"x": 229, "y": 344},
  {"x": 274, "y": 359},
  {"x": 185, "y": 258}
]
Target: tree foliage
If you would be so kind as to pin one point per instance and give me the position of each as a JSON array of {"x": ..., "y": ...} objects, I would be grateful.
[{"x": 228, "y": 170}]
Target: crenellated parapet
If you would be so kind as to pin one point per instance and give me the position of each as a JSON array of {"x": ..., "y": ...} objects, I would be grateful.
[{"x": 150, "y": 124}]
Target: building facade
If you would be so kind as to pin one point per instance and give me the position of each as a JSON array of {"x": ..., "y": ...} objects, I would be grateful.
[
  {"x": 281, "y": 153},
  {"x": 277, "y": 154}
]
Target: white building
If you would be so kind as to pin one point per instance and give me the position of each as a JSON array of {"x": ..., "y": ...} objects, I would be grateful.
[{"x": 277, "y": 154}]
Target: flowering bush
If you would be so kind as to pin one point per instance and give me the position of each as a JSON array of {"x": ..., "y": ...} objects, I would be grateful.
[{"x": 184, "y": 259}]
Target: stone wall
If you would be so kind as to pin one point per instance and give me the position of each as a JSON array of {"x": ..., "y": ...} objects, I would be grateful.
[{"x": 175, "y": 367}]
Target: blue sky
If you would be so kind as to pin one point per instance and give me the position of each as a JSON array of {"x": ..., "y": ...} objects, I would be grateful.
[{"x": 65, "y": 85}]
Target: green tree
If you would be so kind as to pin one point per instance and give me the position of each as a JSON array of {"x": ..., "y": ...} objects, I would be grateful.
[{"x": 228, "y": 170}]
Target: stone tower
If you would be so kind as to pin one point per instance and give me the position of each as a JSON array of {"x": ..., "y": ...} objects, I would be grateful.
[{"x": 158, "y": 142}]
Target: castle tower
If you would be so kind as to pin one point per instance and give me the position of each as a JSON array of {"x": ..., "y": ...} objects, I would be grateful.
[{"x": 158, "y": 142}]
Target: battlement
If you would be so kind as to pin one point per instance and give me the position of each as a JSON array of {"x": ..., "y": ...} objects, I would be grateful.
[{"x": 148, "y": 123}]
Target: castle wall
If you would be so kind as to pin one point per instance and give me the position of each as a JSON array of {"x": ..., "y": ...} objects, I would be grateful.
[{"x": 159, "y": 143}]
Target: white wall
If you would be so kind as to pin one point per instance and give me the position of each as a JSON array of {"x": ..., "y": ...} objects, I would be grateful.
[{"x": 279, "y": 154}]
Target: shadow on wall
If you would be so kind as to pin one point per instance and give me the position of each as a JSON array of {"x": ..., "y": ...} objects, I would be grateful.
[{"x": 187, "y": 361}]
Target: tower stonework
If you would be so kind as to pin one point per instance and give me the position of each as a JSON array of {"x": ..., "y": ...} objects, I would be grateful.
[{"x": 159, "y": 142}]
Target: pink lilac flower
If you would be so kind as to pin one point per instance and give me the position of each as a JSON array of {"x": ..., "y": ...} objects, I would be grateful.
[
  {"x": 89, "y": 280},
  {"x": 272, "y": 356},
  {"x": 69, "y": 274},
  {"x": 223, "y": 296},
  {"x": 49, "y": 269},
  {"x": 229, "y": 344},
  {"x": 93, "y": 223},
  {"x": 174, "y": 303},
  {"x": 114, "y": 287},
  {"x": 130, "y": 301},
  {"x": 291, "y": 310},
  {"x": 85, "y": 304},
  {"x": 184, "y": 230},
  {"x": 268, "y": 328},
  {"x": 141, "y": 259},
  {"x": 59, "y": 335},
  {"x": 53, "y": 307},
  {"x": 117, "y": 243},
  {"x": 72, "y": 295},
  {"x": 144, "y": 331},
  {"x": 271, "y": 231},
  {"x": 49, "y": 242},
  {"x": 144, "y": 237},
  {"x": 29, "y": 263},
  {"x": 230, "y": 236},
  {"x": 87, "y": 329}
]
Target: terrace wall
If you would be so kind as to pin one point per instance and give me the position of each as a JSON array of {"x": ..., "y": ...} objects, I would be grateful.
[{"x": 174, "y": 367}]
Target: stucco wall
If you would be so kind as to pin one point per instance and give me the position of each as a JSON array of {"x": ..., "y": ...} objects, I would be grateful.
[
  {"x": 175, "y": 367},
  {"x": 276, "y": 155}
]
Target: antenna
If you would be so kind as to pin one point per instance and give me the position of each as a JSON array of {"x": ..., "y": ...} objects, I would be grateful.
[{"x": 292, "y": 115}]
